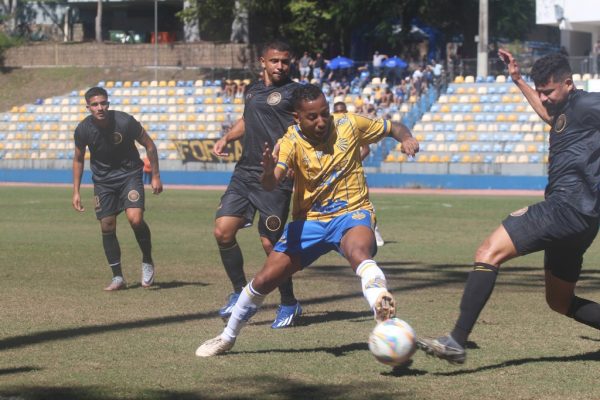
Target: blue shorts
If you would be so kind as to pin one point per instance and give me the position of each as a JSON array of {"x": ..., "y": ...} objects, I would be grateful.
[{"x": 312, "y": 239}]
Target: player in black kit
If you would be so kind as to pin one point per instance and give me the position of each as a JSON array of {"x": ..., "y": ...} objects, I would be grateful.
[
  {"x": 117, "y": 174},
  {"x": 267, "y": 115},
  {"x": 563, "y": 225}
]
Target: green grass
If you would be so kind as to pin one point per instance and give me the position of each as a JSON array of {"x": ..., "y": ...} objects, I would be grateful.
[{"x": 62, "y": 337}]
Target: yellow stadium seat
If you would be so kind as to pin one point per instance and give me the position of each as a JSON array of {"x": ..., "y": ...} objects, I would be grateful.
[
  {"x": 162, "y": 83},
  {"x": 460, "y": 90},
  {"x": 459, "y": 79},
  {"x": 110, "y": 84}
]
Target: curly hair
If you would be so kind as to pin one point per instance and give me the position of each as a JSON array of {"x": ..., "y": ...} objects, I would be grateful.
[
  {"x": 553, "y": 67},
  {"x": 306, "y": 92}
]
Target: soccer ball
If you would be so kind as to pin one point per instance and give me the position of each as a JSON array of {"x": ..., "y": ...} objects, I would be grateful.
[{"x": 392, "y": 342}]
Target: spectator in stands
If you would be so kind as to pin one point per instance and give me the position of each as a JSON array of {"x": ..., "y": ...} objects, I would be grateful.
[
  {"x": 241, "y": 88},
  {"x": 318, "y": 66},
  {"x": 304, "y": 64},
  {"x": 388, "y": 98},
  {"x": 377, "y": 63},
  {"x": 359, "y": 105},
  {"x": 117, "y": 169}
]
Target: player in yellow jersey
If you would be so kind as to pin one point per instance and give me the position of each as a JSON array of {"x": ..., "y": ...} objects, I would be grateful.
[{"x": 331, "y": 207}]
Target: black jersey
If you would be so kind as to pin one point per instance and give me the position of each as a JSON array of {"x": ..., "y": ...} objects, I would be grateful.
[
  {"x": 574, "y": 159},
  {"x": 113, "y": 154},
  {"x": 267, "y": 115}
]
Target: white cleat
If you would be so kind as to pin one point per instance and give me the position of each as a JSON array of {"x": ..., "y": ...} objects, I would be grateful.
[
  {"x": 385, "y": 307},
  {"x": 147, "y": 275},
  {"x": 214, "y": 347},
  {"x": 117, "y": 283}
]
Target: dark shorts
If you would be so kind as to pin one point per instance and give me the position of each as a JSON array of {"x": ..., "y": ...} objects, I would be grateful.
[
  {"x": 114, "y": 197},
  {"x": 244, "y": 196},
  {"x": 558, "y": 229}
]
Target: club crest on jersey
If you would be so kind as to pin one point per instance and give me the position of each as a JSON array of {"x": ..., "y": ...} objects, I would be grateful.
[
  {"x": 117, "y": 138},
  {"x": 273, "y": 223},
  {"x": 342, "y": 144},
  {"x": 358, "y": 216},
  {"x": 519, "y": 212},
  {"x": 560, "y": 124},
  {"x": 341, "y": 121},
  {"x": 133, "y": 196},
  {"x": 274, "y": 99}
]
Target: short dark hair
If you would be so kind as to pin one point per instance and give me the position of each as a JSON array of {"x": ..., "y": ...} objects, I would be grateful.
[
  {"x": 95, "y": 91},
  {"x": 339, "y": 104},
  {"x": 553, "y": 66},
  {"x": 275, "y": 44},
  {"x": 307, "y": 92}
]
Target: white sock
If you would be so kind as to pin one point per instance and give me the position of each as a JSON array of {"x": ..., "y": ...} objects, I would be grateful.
[
  {"x": 372, "y": 280},
  {"x": 248, "y": 303}
]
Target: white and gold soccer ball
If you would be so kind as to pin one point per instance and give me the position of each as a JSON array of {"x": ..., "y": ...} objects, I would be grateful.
[{"x": 393, "y": 342}]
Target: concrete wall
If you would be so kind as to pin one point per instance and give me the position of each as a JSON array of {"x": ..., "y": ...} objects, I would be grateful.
[{"x": 205, "y": 55}]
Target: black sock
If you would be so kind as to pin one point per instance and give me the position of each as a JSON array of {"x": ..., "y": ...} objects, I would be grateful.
[
  {"x": 478, "y": 289},
  {"x": 585, "y": 311},
  {"x": 144, "y": 239},
  {"x": 286, "y": 290},
  {"x": 112, "y": 250},
  {"x": 233, "y": 261}
]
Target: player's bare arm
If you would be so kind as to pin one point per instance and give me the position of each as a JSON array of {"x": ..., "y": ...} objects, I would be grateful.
[
  {"x": 271, "y": 175},
  {"x": 235, "y": 133},
  {"x": 530, "y": 94},
  {"x": 152, "y": 154},
  {"x": 78, "y": 163},
  {"x": 400, "y": 132}
]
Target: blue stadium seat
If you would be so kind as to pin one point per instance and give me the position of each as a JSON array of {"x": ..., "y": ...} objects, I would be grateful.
[{"x": 136, "y": 84}]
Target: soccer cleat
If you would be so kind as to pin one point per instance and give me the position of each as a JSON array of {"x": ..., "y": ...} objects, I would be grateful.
[
  {"x": 385, "y": 307},
  {"x": 147, "y": 275},
  {"x": 286, "y": 316},
  {"x": 117, "y": 283},
  {"x": 225, "y": 311},
  {"x": 444, "y": 347},
  {"x": 378, "y": 238},
  {"x": 214, "y": 347}
]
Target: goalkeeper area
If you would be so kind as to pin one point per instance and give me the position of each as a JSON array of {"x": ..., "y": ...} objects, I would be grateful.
[{"x": 63, "y": 337}]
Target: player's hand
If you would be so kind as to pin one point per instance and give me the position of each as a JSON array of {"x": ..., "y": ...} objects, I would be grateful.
[
  {"x": 268, "y": 160},
  {"x": 219, "y": 148},
  {"x": 511, "y": 64},
  {"x": 410, "y": 146},
  {"x": 77, "y": 202},
  {"x": 157, "y": 186}
]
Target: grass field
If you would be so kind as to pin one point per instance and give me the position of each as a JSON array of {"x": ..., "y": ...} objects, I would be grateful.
[{"x": 62, "y": 337}]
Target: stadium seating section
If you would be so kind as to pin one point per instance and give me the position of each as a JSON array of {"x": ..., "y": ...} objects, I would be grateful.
[{"x": 475, "y": 120}]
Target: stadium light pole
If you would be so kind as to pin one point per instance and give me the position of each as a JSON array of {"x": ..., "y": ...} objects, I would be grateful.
[
  {"x": 155, "y": 40},
  {"x": 482, "y": 44}
]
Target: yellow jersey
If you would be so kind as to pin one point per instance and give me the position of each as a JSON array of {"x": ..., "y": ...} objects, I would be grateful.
[{"x": 329, "y": 178}]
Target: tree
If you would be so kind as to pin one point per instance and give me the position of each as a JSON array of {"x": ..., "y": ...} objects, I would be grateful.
[
  {"x": 8, "y": 10},
  {"x": 99, "y": 22}
]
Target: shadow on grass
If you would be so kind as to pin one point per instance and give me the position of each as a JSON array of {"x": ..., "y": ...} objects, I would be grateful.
[
  {"x": 261, "y": 386},
  {"x": 17, "y": 370},
  {"x": 337, "y": 350},
  {"x": 168, "y": 285},
  {"x": 448, "y": 275},
  {"x": 590, "y": 356}
]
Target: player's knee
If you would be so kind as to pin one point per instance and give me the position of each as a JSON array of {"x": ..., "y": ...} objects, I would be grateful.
[
  {"x": 136, "y": 222},
  {"x": 556, "y": 304},
  {"x": 223, "y": 235},
  {"x": 108, "y": 226}
]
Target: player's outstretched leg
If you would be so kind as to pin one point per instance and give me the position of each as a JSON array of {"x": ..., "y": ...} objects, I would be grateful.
[
  {"x": 444, "y": 347},
  {"x": 246, "y": 306},
  {"x": 374, "y": 286}
]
